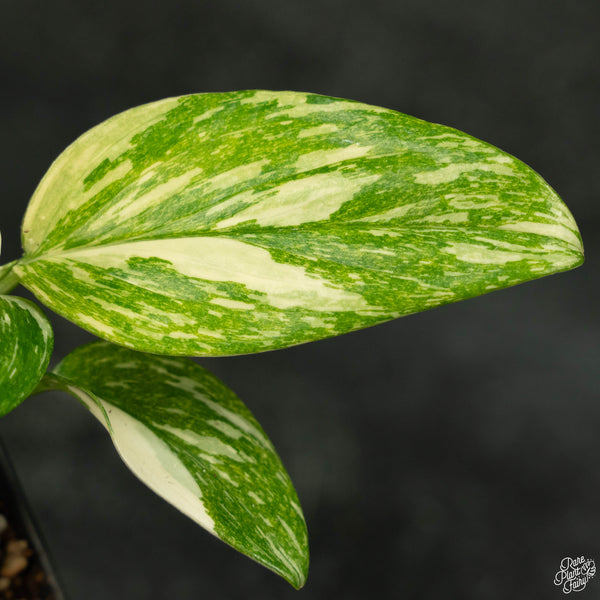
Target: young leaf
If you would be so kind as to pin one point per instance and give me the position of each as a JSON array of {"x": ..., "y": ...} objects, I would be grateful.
[
  {"x": 191, "y": 440},
  {"x": 217, "y": 224},
  {"x": 26, "y": 340}
]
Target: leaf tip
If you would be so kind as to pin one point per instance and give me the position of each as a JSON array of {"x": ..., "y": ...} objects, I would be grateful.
[{"x": 297, "y": 577}]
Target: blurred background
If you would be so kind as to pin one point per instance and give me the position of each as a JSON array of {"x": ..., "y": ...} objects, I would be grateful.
[{"x": 453, "y": 453}]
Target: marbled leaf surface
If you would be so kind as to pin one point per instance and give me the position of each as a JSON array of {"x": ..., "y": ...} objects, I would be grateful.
[
  {"x": 26, "y": 341},
  {"x": 229, "y": 223},
  {"x": 191, "y": 440}
]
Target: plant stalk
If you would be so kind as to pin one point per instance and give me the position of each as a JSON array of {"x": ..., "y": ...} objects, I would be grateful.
[{"x": 8, "y": 280}]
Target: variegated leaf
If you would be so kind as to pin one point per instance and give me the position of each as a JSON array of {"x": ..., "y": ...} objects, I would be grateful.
[
  {"x": 191, "y": 440},
  {"x": 217, "y": 224},
  {"x": 26, "y": 340}
]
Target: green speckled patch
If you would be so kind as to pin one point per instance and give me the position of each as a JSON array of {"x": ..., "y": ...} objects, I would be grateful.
[
  {"x": 190, "y": 439},
  {"x": 26, "y": 340},
  {"x": 217, "y": 224}
]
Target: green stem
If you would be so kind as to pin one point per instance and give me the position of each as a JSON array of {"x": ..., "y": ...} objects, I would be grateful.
[
  {"x": 8, "y": 280},
  {"x": 49, "y": 382}
]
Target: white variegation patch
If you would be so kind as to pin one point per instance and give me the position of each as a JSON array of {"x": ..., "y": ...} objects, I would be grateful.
[
  {"x": 222, "y": 259},
  {"x": 318, "y": 130},
  {"x": 452, "y": 172},
  {"x": 482, "y": 255},
  {"x": 551, "y": 230},
  {"x": 306, "y": 200},
  {"x": 321, "y": 158},
  {"x": 150, "y": 459}
]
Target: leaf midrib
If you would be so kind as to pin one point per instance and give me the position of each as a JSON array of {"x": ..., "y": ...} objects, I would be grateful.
[{"x": 233, "y": 233}]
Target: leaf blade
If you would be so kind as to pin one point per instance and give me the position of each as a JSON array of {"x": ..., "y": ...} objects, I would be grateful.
[
  {"x": 251, "y": 221},
  {"x": 192, "y": 441},
  {"x": 26, "y": 341}
]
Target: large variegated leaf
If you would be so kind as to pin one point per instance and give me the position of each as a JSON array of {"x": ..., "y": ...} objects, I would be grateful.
[
  {"x": 228, "y": 223},
  {"x": 26, "y": 340},
  {"x": 192, "y": 441}
]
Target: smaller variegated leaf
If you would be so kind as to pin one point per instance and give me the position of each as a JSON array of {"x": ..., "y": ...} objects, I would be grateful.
[
  {"x": 228, "y": 223},
  {"x": 191, "y": 440},
  {"x": 26, "y": 341}
]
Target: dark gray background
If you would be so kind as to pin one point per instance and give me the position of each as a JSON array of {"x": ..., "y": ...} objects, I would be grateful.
[{"x": 454, "y": 453}]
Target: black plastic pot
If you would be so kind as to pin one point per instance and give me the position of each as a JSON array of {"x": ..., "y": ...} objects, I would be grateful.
[{"x": 28, "y": 570}]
